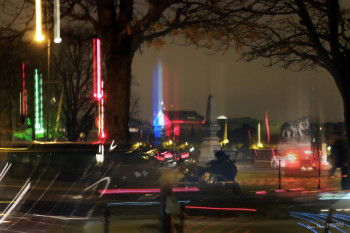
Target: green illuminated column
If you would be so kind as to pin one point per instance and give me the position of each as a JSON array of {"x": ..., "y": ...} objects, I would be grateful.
[{"x": 39, "y": 127}]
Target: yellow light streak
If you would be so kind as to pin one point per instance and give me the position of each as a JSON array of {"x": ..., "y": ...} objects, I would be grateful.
[{"x": 39, "y": 36}]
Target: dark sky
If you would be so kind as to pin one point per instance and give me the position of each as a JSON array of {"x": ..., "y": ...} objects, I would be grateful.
[{"x": 241, "y": 89}]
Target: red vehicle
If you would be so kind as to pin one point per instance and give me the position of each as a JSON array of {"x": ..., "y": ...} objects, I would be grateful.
[{"x": 302, "y": 160}]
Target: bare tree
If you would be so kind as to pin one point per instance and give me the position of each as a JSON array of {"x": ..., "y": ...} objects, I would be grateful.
[
  {"x": 73, "y": 70},
  {"x": 125, "y": 26},
  {"x": 10, "y": 78},
  {"x": 301, "y": 34}
]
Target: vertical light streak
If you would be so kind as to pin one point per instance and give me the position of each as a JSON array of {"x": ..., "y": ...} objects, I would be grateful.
[
  {"x": 155, "y": 93},
  {"x": 20, "y": 104},
  {"x": 39, "y": 36},
  {"x": 24, "y": 90},
  {"x": 102, "y": 116},
  {"x": 267, "y": 128},
  {"x": 175, "y": 89},
  {"x": 166, "y": 87},
  {"x": 36, "y": 83},
  {"x": 98, "y": 44},
  {"x": 99, "y": 118},
  {"x": 41, "y": 104},
  {"x": 95, "y": 71},
  {"x": 39, "y": 126},
  {"x": 225, "y": 141},
  {"x": 259, "y": 132},
  {"x": 160, "y": 86},
  {"x": 57, "y": 22}
]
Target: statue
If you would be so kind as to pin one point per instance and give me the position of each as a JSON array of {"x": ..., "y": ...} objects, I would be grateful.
[{"x": 296, "y": 130}]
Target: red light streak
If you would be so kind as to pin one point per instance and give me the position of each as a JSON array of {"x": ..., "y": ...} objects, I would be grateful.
[
  {"x": 185, "y": 155},
  {"x": 94, "y": 59},
  {"x": 102, "y": 118},
  {"x": 261, "y": 192},
  {"x": 267, "y": 128},
  {"x": 280, "y": 190},
  {"x": 296, "y": 189},
  {"x": 98, "y": 44},
  {"x": 151, "y": 190},
  {"x": 24, "y": 90},
  {"x": 217, "y": 208}
]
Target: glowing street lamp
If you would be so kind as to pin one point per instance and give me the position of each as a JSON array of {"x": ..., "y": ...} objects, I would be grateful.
[{"x": 39, "y": 36}]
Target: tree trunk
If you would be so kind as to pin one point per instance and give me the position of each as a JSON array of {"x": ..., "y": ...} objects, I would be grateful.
[
  {"x": 341, "y": 74},
  {"x": 346, "y": 101},
  {"x": 117, "y": 90}
]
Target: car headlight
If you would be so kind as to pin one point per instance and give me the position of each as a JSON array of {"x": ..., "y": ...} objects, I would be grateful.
[{"x": 291, "y": 157}]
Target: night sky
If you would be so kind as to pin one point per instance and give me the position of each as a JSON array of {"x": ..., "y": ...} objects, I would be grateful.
[{"x": 241, "y": 89}]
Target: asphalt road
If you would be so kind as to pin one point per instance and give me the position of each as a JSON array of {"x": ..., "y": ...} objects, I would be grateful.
[{"x": 296, "y": 207}]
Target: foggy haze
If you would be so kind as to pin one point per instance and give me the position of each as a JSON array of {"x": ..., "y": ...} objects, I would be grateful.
[{"x": 241, "y": 89}]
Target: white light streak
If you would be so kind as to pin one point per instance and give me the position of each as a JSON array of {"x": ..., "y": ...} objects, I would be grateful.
[
  {"x": 57, "y": 36},
  {"x": 5, "y": 170},
  {"x": 18, "y": 198},
  {"x": 107, "y": 179}
]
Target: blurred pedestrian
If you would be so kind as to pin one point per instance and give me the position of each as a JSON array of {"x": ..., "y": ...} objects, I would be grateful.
[{"x": 338, "y": 157}]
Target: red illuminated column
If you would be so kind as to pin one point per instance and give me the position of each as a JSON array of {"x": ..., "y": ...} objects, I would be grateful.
[
  {"x": 97, "y": 68},
  {"x": 98, "y": 86},
  {"x": 102, "y": 117}
]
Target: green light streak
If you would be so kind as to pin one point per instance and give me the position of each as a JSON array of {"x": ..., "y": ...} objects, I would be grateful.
[{"x": 39, "y": 126}]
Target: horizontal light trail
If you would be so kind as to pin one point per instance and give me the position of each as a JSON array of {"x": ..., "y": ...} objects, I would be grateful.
[
  {"x": 218, "y": 208},
  {"x": 150, "y": 190}
]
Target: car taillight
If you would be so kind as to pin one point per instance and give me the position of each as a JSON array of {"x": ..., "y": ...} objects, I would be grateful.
[{"x": 291, "y": 157}]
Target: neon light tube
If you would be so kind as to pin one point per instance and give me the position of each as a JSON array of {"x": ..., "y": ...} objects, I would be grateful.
[
  {"x": 39, "y": 36},
  {"x": 57, "y": 22}
]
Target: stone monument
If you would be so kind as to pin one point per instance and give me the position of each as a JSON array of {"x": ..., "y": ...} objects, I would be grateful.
[{"x": 210, "y": 142}]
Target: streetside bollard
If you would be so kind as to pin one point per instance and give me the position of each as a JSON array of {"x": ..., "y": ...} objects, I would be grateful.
[
  {"x": 279, "y": 174},
  {"x": 107, "y": 215},
  {"x": 164, "y": 215}
]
